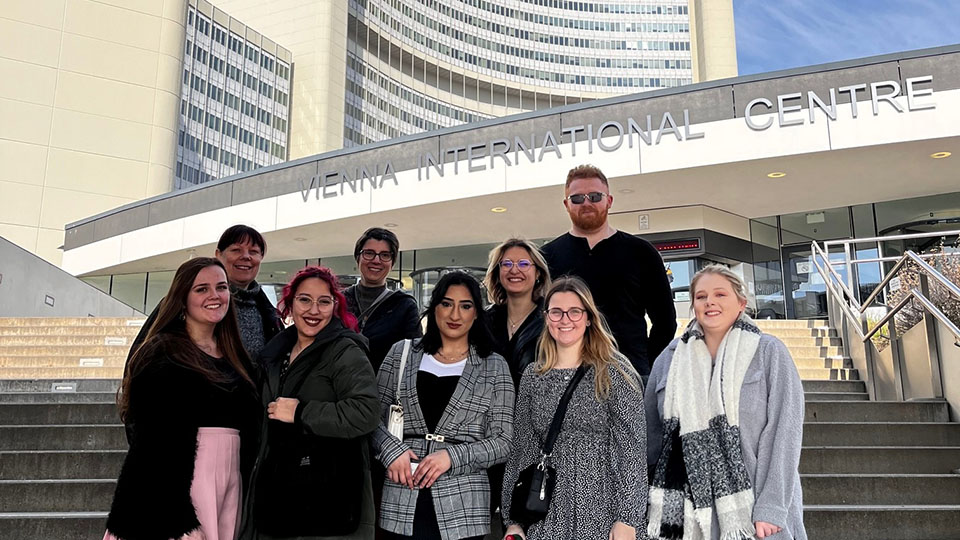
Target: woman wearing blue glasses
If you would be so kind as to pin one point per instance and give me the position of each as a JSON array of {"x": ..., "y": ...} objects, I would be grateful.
[{"x": 517, "y": 277}]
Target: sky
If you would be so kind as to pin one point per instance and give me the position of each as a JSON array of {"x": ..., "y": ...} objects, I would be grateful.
[{"x": 783, "y": 34}]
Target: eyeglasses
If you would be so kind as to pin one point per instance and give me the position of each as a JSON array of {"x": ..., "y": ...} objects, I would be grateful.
[
  {"x": 369, "y": 255},
  {"x": 574, "y": 314},
  {"x": 594, "y": 196},
  {"x": 522, "y": 264},
  {"x": 323, "y": 303}
]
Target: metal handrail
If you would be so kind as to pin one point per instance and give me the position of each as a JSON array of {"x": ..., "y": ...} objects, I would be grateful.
[
  {"x": 914, "y": 294},
  {"x": 847, "y": 292},
  {"x": 892, "y": 237},
  {"x": 926, "y": 268}
]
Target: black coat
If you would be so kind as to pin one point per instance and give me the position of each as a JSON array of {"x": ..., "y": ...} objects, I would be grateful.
[
  {"x": 521, "y": 350},
  {"x": 338, "y": 399},
  {"x": 168, "y": 404},
  {"x": 395, "y": 318}
]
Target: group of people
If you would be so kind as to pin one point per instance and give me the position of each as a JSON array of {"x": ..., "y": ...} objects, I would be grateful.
[{"x": 359, "y": 420}]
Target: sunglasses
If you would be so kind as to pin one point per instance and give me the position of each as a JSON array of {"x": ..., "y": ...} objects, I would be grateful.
[{"x": 593, "y": 196}]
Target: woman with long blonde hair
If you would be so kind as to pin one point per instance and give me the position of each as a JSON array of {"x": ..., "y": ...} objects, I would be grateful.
[{"x": 599, "y": 455}]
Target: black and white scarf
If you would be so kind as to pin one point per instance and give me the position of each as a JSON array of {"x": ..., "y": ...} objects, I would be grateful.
[{"x": 701, "y": 466}]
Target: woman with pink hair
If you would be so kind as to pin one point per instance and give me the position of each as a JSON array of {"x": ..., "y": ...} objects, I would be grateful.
[{"x": 319, "y": 392}]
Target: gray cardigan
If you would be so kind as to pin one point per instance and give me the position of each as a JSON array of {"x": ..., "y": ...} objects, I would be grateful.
[
  {"x": 771, "y": 432},
  {"x": 479, "y": 417}
]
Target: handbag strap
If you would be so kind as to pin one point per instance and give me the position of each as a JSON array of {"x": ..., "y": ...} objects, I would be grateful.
[
  {"x": 561, "y": 412},
  {"x": 403, "y": 365}
]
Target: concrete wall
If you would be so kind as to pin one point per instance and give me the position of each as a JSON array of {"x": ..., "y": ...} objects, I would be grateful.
[
  {"x": 949, "y": 369},
  {"x": 89, "y": 96},
  {"x": 917, "y": 377},
  {"x": 28, "y": 285},
  {"x": 713, "y": 39}
]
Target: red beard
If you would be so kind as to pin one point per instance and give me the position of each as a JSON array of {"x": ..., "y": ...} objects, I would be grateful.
[{"x": 589, "y": 221}]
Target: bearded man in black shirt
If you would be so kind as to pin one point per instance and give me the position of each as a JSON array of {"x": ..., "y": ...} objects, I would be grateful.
[{"x": 625, "y": 273}]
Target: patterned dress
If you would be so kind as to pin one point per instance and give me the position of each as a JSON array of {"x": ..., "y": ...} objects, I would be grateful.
[{"x": 600, "y": 455}]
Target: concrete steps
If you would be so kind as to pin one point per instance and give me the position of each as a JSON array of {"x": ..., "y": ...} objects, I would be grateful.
[
  {"x": 61, "y": 449},
  {"x": 60, "y": 464},
  {"x": 879, "y": 459},
  {"x": 882, "y": 522}
]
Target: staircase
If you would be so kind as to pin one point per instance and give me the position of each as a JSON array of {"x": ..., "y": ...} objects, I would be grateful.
[
  {"x": 61, "y": 443},
  {"x": 870, "y": 470}
]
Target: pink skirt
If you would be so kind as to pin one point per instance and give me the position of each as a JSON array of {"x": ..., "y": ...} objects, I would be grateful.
[{"x": 215, "y": 490}]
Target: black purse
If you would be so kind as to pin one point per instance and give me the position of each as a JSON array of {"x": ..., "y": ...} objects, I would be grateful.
[{"x": 535, "y": 485}]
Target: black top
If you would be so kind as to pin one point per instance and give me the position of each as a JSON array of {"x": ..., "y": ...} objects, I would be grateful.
[
  {"x": 366, "y": 296},
  {"x": 169, "y": 402},
  {"x": 228, "y": 404},
  {"x": 521, "y": 349},
  {"x": 393, "y": 319},
  {"x": 627, "y": 278},
  {"x": 434, "y": 394}
]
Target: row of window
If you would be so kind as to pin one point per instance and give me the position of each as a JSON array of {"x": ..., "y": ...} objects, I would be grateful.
[
  {"x": 237, "y": 44},
  {"x": 366, "y": 34},
  {"x": 236, "y": 73}
]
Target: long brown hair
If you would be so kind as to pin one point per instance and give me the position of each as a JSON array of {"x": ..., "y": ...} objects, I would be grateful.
[
  {"x": 599, "y": 348},
  {"x": 169, "y": 328}
]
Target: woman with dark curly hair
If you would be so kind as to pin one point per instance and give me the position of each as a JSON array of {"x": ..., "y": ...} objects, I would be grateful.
[{"x": 312, "y": 479}]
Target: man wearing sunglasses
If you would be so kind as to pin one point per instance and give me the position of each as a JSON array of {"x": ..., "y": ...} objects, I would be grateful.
[{"x": 625, "y": 273}]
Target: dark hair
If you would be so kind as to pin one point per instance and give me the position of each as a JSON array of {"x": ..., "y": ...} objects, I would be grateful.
[
  {"x": 377, "y": 233},
  {"x": 586, "y": 171},
  {"x": 239, "y": 234},
  {"x": 169, "y": 332},
  {"x": 479, "y": 335},
  {"x": 320, "y": 272}
]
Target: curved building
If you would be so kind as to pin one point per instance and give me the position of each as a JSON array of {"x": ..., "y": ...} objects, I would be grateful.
[
  {"x": 371, "y": 70},
  {"x": 745, "y": 172}
]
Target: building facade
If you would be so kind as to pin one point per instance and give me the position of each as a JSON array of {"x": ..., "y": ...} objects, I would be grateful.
[
  {"x": 745, "y": 172},
  {"x": 373, "y": 70},
  {"x": 234, "y": 98},
  {"x": 106, "y": 103}
]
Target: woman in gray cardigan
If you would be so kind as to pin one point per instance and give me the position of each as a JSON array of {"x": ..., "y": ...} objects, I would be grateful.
[
  {"x": 457, "y": 398},
  {"x": 724, "y": 409}
]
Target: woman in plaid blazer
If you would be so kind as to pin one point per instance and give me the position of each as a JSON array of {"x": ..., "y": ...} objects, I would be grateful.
[{"x": 457, "y": 398}]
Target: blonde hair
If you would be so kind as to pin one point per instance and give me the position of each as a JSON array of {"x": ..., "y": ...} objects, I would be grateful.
[
  {"x": 599, "y": 348},
  {"x": 719, "y": 270},
  {"x": 495, "y": 291}
]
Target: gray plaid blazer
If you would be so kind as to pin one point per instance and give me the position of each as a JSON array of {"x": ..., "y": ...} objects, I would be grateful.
[{"x": 479, "y": 414}]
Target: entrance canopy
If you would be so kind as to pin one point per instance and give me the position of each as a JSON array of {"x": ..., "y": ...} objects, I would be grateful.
[{"x": 710, "y": 155}]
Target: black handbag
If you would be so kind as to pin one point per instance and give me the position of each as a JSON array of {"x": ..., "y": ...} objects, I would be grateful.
[
  {"x": 309, "y": 485},
  {"x": 535, "y": 484}
]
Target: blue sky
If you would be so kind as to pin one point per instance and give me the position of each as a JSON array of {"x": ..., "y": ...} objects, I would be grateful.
[{"x": 782, "y": 34}]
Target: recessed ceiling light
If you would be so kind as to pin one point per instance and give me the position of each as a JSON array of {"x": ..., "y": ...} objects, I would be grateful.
[
  {"x": 498, "y": 209},
  {"x": 390, "y": 225},
  {"x": 777, "y": 174},
  {"x": 626, "y": 190},
  {"x": 941, "y": 155},
  {"x": 299, "y": 239}
]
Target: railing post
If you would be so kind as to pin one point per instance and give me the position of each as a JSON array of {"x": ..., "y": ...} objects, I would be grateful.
[
  {"x": 849, "y": 265},
  {"x": 897, "y": 353},
  {"x": 933, "y": 350},
  {"x": 883, "y": 271}
]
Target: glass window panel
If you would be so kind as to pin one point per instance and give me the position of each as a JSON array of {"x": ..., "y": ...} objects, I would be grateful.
[
  {"x": 129, "y": 289},
  {"x": 805, "y": 227},
  {"x": 157, "y": 287},
  {"x": 100, "y": 282},
  {"x": 767, "y": 273}
]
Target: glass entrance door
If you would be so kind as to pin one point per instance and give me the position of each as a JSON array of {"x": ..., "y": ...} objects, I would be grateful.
[{"x": 807, "y": 293}]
